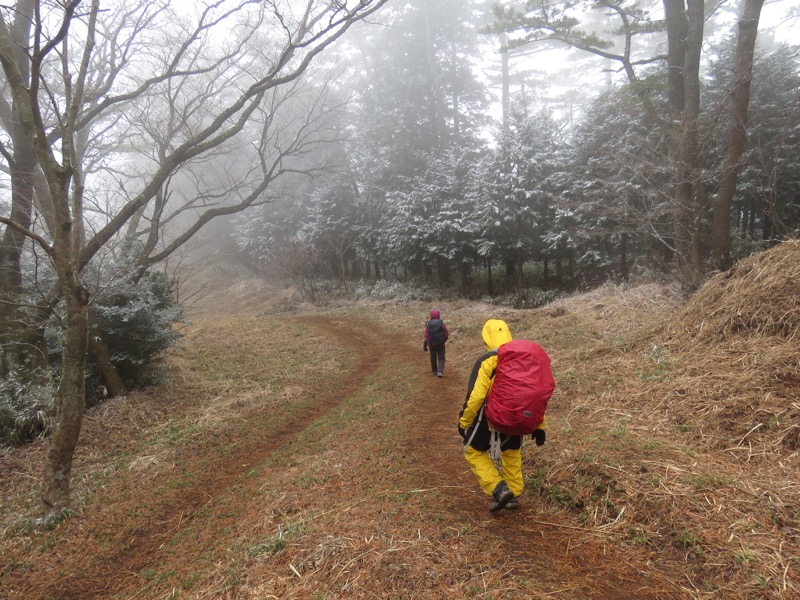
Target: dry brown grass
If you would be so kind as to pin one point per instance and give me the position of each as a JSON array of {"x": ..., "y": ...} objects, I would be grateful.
[{"x": 759, "y": 297}]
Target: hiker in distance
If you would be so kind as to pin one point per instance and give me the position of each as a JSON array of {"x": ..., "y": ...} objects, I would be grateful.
[
  {"x": 506, "y": 400},
  {"x": 436, "y": 336}
]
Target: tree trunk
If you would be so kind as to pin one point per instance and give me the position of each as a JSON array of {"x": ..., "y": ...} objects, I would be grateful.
[
  {"x": 687, "y": 196},
  {"x": 677, "y": 29},
  {"x": 456, "y": 108},
  {"x": 510, "y": 266},
  {"x": 71, "y": 393},
  {"x": 434, "y": 80},
  {"x": 766, "y": 232},
  {"x": 570, "y": 262},
  {"x": 441, "y": 268},
  {"x": 21, "y": 213},
  {"x": 464, "y": 270},
  {"x": 23, "y": 351},
  {"x": 16, "y": 354},
  {"x": 520, "y": 272},
  {"x": 623, "y": 260},
  {"x": 69, "y": 401},
  {"x": 740, "y": 101},
  {"x": 505, "y": 86},
  {"x": 489, "y": 275},
  {"x": 111, "y": 379},
  {"x": 546, "y": 271}
]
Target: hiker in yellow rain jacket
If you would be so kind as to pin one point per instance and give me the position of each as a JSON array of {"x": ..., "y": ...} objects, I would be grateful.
[{"x": 476, "y": 432}]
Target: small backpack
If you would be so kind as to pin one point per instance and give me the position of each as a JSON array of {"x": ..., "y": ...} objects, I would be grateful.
[
  {"x": 523, "y": 384},
  {"x": 436, "y": 336}
]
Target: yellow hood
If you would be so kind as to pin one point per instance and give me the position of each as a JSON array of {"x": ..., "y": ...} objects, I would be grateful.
[{"x": 495, "y": 333}]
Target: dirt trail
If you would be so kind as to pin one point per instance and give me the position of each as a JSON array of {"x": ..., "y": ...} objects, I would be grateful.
[{"x": 107, "y": 547}]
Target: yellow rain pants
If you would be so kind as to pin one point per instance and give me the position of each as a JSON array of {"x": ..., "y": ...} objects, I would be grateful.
[{"x": 488, "y": 476}]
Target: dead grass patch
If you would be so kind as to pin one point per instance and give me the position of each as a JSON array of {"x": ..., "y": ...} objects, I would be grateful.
[{"x": 759, "y": 297}]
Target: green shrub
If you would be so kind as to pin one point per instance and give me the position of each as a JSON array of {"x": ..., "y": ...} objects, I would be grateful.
[
  {"x": 137, "y": 324},
  {"x": 26, "y": 409}
]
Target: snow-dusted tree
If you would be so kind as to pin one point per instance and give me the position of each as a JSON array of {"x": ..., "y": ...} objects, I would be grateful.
[
  {"x": 414, "y": 226},
  {"x": 518, "y": 189},
  {"x": 370, "y": 245},
  {"x": 770, "y": 182},
  {"x": 484, "y": 194},
  {"x": 331, "y": 223},
  {"x": 616, "y": 195},
  {"x": 434, "y": 221}
]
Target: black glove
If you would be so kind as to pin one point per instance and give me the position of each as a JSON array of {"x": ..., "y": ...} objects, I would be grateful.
[
  {"x": 462, "y": 432},
  {"x": 539, "y": 436},
  {"x": 424, "y": 346}
]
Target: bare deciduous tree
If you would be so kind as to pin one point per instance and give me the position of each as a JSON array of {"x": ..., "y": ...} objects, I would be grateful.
[{"x": 133, "y": 94}]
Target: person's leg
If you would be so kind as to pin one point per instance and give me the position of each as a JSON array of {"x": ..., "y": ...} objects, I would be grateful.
[
  {"x": 440, "y": 352},
  {"x": 512, "y": 470},
  {"x": 432, "y": 352},
  {"x": 480, "y": 462},
  {"x": 482, "y": 466}
]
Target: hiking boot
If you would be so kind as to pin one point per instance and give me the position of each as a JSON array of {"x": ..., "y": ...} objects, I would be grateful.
[
  {"x": 513, "y": 503},
  {"x": 502, "y": 496},
  {"x": 440, "y": 374}
]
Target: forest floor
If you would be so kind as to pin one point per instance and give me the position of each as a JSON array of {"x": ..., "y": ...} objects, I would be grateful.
[{"x": 302, "y": 452}]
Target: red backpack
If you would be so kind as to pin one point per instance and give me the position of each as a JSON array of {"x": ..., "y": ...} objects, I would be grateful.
[{"x": 523, "y": 384}]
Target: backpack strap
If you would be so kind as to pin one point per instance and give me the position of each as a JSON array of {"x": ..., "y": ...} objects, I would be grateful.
[
  {"x": 495, "y": 447},
  {"x": 474, "y": 428}
]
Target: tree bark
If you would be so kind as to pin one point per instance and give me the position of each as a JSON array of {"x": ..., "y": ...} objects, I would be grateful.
[
  {"x": 623, "y": 259},
  {"x": 464, "y": 271},
  {"x": 546, "y": 271},
  {"x": 441, "y": 271},
  {"x": 737, "y": 138},
  {"x": 687, "y": 196},
  {"x": 69, "y": 400},
  {"x": 20, "y": 348},
  {"x": 111, "y": 379},
  {"x": 677, "y": 29},
  {"x": 505, "y": 85},
  {"x": 489, "y": 275}
]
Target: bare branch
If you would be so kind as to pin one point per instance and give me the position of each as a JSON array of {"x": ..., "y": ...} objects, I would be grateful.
[{"x": 28, "y": 233}]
